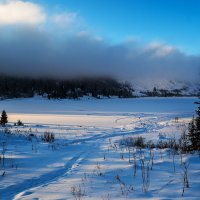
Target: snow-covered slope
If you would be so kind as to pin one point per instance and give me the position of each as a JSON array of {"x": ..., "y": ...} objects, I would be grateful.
[{"x": 185, "y": 88}]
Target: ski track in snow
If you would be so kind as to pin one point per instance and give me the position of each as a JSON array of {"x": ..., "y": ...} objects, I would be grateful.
[
  {"x": 15, "y": 191},
  {"x": 45, "y": 180}
]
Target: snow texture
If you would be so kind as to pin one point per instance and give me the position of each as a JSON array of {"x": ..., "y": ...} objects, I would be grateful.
[{"x": 86, "y": 160}]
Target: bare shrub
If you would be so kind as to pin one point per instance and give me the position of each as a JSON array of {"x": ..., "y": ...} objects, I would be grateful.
[
  {"x": 48, "y": 137},
  {"x": 133, "y": 142},
  {"x": 98, "y": 169},
  {"x": 106, "y": 197},
  {"x": 162, "y": 144},
  {"x": 139, "y": 142},
  {"x": 7, "y": 130},
  {"x": 77, "y": 192},
  {"x": 19, "y": 123},
  {"x": 150, "y": 144},
  {"x": 184, "y": 143},
  {"x": 125, "y": 190}
]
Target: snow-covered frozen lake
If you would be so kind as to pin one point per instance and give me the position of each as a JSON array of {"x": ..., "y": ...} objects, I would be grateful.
[
  {"x": 85, "y": 161},
  {"x": 92, "y": 111},
  {"x": 39, "y": 105}
]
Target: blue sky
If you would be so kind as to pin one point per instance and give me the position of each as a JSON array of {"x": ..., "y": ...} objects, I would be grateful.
[{"x": 175, "y": 22}]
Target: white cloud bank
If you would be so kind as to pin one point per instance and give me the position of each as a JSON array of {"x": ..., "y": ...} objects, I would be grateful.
[
  {"x": 20, "y": 12},
  {"x": 64, "y": 47},
  {"x": 65, "y": 19}
]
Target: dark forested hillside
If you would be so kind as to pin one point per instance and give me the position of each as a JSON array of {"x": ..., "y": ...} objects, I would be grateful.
[{"x": 15, "y": 87}]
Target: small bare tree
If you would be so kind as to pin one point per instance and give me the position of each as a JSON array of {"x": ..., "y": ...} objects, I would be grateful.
[
  {"x": 185, "y": 181},
  {"x": 134, "y": 161},
  {"x": 129, "y": 154},
  {"x": 151, "y": 154},
  {"x": 122, "y": 153},
  {"x": 173, "y": 147},
  {"x": 3, "y": 153},
  {"x": 125, "y": 190},
  {"x": 145, "y": 172}
]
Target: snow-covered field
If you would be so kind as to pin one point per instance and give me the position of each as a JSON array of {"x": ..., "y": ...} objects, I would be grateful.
[{"x": 86, "y": 160}]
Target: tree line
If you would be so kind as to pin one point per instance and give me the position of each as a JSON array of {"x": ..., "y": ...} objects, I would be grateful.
[
  {"x": 156, "y": 92},
  {"x": 17, "y": 87}
]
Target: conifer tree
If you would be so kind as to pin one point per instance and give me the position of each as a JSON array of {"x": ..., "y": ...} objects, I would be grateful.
[
  {"x": 4, "y": 118},
  {"x": 197, "y": 131},
  {"x": 194, "y": 131}
]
